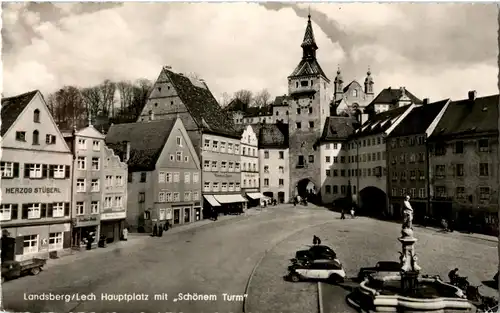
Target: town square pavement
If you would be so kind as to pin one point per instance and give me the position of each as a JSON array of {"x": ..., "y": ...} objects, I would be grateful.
[{"x": 218, "y": 258}]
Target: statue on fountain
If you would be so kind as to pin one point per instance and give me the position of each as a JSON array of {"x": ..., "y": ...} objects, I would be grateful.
[{"x": 407, "y": 228}]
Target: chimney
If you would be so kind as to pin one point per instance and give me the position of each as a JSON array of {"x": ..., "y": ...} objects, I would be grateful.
[
  {"x": 472, "y": 95},
  {"x": 426, "y": 101},
  {"x": 126, "y": 156}
]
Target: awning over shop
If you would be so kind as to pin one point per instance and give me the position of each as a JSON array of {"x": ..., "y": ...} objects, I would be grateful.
[
  {"x": 211, "y": 200},
  {"x": 255, "y": 195},
  {"x": 230, "y": 198}
]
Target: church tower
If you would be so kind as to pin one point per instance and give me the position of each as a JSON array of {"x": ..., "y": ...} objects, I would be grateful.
[
  {"x": 369, "y": 84},
  {"x": 338, "y": 93},
  {"x": 309, "y": 108}
]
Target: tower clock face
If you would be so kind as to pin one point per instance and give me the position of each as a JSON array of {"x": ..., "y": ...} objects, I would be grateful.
[{"x": 304, "y": 103}]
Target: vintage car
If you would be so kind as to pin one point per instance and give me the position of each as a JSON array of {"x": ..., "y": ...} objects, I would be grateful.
[
  {"x": 330, "y": 270},
  {"x": 14, "y": 269},
  {"x": 316, "y": 252},
  {"x": 382, "y": 266}
]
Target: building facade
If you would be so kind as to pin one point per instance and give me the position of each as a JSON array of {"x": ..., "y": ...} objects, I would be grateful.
[
  {"x": 352, "y": 99},
  {"x": 250, "y": 166},
  {"x": 464, "y": 156},
  {"x": 407, "y": 159},
  {"x": 164, "y": 173},
  {"x": 36, "y": 169}
]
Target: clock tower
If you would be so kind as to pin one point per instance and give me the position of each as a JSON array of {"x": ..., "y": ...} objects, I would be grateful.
[{"x": 309, "y": 108}]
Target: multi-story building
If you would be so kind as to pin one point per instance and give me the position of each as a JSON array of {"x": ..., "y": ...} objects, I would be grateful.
[
  {"x": 211, "y": 130},
  {"x": 407, "y": 172},
  {"x": 274, "y": 164},
  {"x": 163, "y": 173},
  {"x": 464, "y": 156},
  {"x": 280, "y": 110},
  {"x": 36, "y": 179},
  {"x": 333, "y": 157},
  {"x": 352, "y": 99},
  {"x": 250, "y": 179}
]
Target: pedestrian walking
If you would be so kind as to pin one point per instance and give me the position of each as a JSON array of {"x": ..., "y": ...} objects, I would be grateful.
[
  {"x": 160, "y": 231},
  {"x": 125, "y": 234},
  {"x": 155, "y": 230},
  {"x": 166, "y": 226},
  {"x": 316, "y": 240},
  {"x": 342, "y": 215},
  {"x": 352, "y": 212}
]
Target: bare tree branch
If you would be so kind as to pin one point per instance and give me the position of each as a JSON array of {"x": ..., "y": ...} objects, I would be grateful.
[
  {"x": 262, "y": 99},
  {"x": 244, "y": 96}
]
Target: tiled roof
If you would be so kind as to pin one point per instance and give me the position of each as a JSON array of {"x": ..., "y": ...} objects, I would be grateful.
[
  {"x": 337, "y": 128},
  {"x": 392, "y": 95},
  {"x": 308, "y": 67},
  {"x": 146, "y": 141},
  {"x": 236, "y": 105},
  {"x": 202, "y": 106},
  {"x": 380, "y": 122},
  {"x": 12, "y": 107},
  {"x": 464, "y": 116},
  {"x": 273, "y": 136},
  {"x": 419, "y": 119},
  {"x": 309, "y": 40},
  {"x": 280, "y": 101},
  {"x": 256, "y": 111}
]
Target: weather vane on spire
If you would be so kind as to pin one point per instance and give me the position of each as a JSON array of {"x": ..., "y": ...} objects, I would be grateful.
[{"x": 309, "y": 12}]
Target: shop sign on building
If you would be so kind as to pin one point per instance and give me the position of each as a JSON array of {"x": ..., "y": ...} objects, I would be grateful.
[
  {"x": 30, "y": 190},
  {"x": 83, "y": 221},
  {"x": 113, "y": 215}
]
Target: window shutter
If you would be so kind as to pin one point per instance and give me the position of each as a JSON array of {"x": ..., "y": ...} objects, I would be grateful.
[
  {"x": 16, "y": 170},
  {"x": 66, "y": 209},
  {"x": 51, "y": 171},
  {"x": 43, "y": 211},
  {"x": 66, "y": 239},
  {"x": 26, "y": 170},
  {"x": 14, "y": 212},
  {"x": 67, "y": 171},
  {"x": 25, "y": 211},
  {"x": 50, "y": 208},
  {"x": 45, "y": 170},
  {"x": 19, "y": 245}
]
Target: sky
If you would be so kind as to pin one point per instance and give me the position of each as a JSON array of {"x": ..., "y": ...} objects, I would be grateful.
[{"x": 436, "y": 51}]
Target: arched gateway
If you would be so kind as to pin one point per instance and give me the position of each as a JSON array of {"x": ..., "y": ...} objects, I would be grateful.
[
  {"x": 306, "y": 188},
  {"x": 372, "y": 201}
]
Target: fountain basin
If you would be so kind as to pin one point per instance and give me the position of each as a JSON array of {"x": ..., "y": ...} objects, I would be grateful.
[{"x": 383, "y": 294}]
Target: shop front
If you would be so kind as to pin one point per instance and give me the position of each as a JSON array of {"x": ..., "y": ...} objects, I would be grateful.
[
  {"x": 210, "y": 206},
  {"x": 84, "y": 228},
  {"x": 231, "y": 204},
  {"x": 253, "y": 198},
  {"x": 112, "y": 224}
]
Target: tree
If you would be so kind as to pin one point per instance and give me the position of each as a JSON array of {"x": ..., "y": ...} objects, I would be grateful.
[
  {"x": 244, "y": 96},
  {"x": 107, "y": 89},
  {"x": 225, "y": 99},
  {"x": 68, "y": 108},
  {"x": 126, "y": 90},
  {"x": 139, "y": 94},
  {"x": 261, "y": 99},
  {"x": 92, "y": 99}
]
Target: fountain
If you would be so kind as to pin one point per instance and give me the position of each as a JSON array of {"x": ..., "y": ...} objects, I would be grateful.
[{"x": 407, "y": 291}]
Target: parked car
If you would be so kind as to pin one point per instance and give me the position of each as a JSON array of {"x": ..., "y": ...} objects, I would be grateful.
[
  {"x": 382, "y": 266},
  {"x": 14, "y": 269},
  {"x": 331, "y": 270},
  {"x": 316, "y": 252}
]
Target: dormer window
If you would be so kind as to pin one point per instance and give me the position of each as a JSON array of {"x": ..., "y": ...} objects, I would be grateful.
[
  {"x": 36, "y": 116},
  {"x": 36, "y": 139}
]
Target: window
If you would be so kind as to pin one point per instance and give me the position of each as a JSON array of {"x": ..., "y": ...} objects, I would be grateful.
[
  {"x": 80, "y": 185},
  {"x": 236, "y": 149},
  {"x": 178, "y": 156},
  {"x": 460, "y": 170},
  {"x": 186, "y": 158},
  {"x": 161, "y": 196},
  {"x": 143, "y": 177},
  {"x": 460, "y": 192},
  {"x": 335, "y": 159},
  {"x": 484, "y": 193},
  {"x": 311, "y": 124},
  {"x": 30, "y": 244},
  {"x": 168, "y": 197},
  {"x": 440, "y": 171},
  {"x": 281, "y": 182},
  {"x": 483, "y": 169},
  {"x": 281, "y": 155},
  {"x": 118, "y": 202},
  {"x": 328, "y": 189},
  {"x": 413, "y": 192},
  {"x": 300, "y": 162},
  {"x": 266, "y": 182},
  {"x": 196, "y": 178},
  {"x": 82, "y": 164},
  {"x": 20, "y": 136},
  {"x": 222, "y": 146},
  {"x": 298, "y": 110},
  {"x": 342, "y": 173},
  {"x": 94, "y": 207},
  {"x": 413, "y": 175},
  {"x": 109, "y": 181},
  {"x": 6, "y": 212},
  {"x": 58, "y": 171},
  {"x": 421, "y": 193},
  {"x": 421, "y": 157},
  {"x": 36, "y": 116},
  {"x": 310, "y": 110},
  {"x": 177, "y": 177},
  {"x": 281, "y": 169},
  {"x": 223, "y": 165},
  {"x": 215, "y": 186},
  {"x": 215, "y": 145},
  {"x": 394, "y": 192},
  {"x": 80, "y": 207},
  {"x": 55, "y": 241},
  {"x": 178, "y": 141},
  {"x": 459, "y": 147},
  {"x": 441, "y": 192},
  {"x": 483, "y": 145},
  {"x": 335, "y": 173},
  {"x": 311, "y": 159},
  {"x": 206, "y": 165},
  {"x": 328, "y": 173},
  {"x": 95, "y": 185},
  {"x": 335, "y": 146},
  {"x": 244, "y": 151},
  {"x": 58, "y": 209},
  {"x": 108, "y": 201},
  {"x": 231, "y": 166},
  {"x": 394, "y": 176},
  {"x": 342, "y": 189},
  {"x": 440, "y": 149},
  {"x": 95, "y": 164},
  {"x": 335, "y": 189},
  {"x": 342, "y": 159},
  {"x": 266, "y": 154},
  {"x": 172, "y": 157},
  {"x": 299, "y": 125},
  {"x": 231, "y": 186},
  {"x": 223, "y": 186},
  {"x": 50, "y": 139},
  {"x": 142, "y": 197},
  {"x": 82, "y": 144},
  {"x": 266, "y": 168},
  {"x": 96, "y": 145},
  {"x": 403, "y": 192},
  {"x": 187, "y": 177},
  {"x": 206, "y": 186},
  {"x": 207, "y": 144},
  {"x": 421, "y": 175},
  {"x": 161, "y": 177},
  {"x": 229, "y": 147},
  {"x": 9, "y": 169},
  {"x": 237, "y": 166},
  {"x": 36, "y": 139},
  {"x": 237, "y": 186},
  {"x": 196, "y": 195}
]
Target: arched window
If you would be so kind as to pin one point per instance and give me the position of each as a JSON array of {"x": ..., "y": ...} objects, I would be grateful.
[
  {"x": 277, "y": 113},
  {"x": 354, "y": 92},
  {"x": 286, "y": 112},
  {"x": 36, "y": 138},
  {"x": 36, "y": 116}
]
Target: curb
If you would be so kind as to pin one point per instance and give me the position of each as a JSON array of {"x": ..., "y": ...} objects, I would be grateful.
[
  {"x": 249, "y": 281},
  {"x": 320, "y": 298}
]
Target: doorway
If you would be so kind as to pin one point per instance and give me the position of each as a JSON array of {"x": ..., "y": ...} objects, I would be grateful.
[{"x": 177, "y": 216}]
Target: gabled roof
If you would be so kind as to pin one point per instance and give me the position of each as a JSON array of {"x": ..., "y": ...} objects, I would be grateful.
[
  {"x": 466, "y": 116},
  {"x": 308, "y": 67},
  {"x": 12, "y": 107},
  {"x": 337, "y": 128},
  {"x": 147, "y": 140},
  {"x": 392, "y": 95},
  {"x": 273, "y": 136},
  {"x": 419, "y": 119},
  {"x": 202, "y": 105},
  {"x": 382, "y": 120},
  {"x": 236, "y": 105},
  {"x": 280, "y": 101}
]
